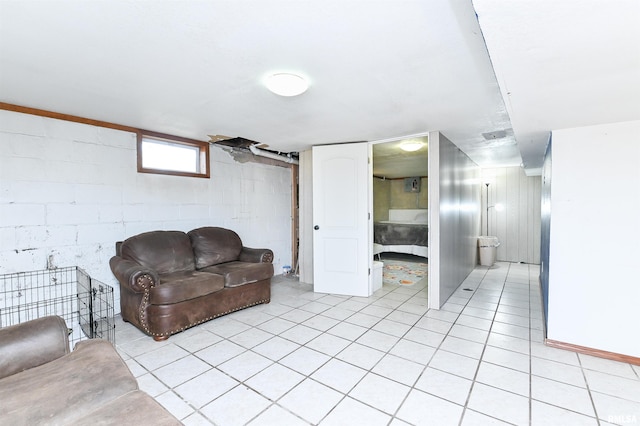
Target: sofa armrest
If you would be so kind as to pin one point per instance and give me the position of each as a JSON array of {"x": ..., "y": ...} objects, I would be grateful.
[
  {"x": 32, "y": 343},
  {"x": 256, "y": 255},
  {"x": 133, "y": 275}
]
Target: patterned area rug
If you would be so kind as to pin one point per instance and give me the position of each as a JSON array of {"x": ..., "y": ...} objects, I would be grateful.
[{"x": 403, "y": 273}]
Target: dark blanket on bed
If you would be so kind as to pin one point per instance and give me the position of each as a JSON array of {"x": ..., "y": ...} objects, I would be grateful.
[{"x": 401, "y": 234}]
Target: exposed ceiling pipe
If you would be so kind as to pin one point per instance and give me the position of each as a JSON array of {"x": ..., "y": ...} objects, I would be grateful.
[{"x": 267, "y": 154}]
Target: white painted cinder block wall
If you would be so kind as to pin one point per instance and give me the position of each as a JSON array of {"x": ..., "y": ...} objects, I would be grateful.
[
  {"x": 69, "y": 191},
  {"x": 594, "y": 287}
]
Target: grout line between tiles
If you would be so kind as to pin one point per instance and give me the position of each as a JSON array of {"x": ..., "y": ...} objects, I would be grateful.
[{"x": 488, "y": 285}]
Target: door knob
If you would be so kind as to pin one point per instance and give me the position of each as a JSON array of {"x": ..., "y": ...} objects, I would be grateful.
[{"x": 316, "y": 227}]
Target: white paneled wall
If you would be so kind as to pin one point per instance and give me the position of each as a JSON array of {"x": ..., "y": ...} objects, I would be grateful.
[
  {"x": 514, "y": 213},
  {"x": 69, "y": 191}
]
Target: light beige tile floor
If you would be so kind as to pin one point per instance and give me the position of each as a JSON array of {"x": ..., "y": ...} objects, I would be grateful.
[{"x": 309, "y": 358}]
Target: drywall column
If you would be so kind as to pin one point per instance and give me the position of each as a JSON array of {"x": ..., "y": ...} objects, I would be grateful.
[
  {"x": 594, "y": 238},
  {"x": 305, "y": 253},
  {"x": 545, "y": 229}
]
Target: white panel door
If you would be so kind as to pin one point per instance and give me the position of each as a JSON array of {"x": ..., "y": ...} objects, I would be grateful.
[{"x": 342, "y": 182}]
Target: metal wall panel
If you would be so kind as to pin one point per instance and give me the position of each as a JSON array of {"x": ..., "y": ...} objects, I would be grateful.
[{"x": 454, "y": 202}]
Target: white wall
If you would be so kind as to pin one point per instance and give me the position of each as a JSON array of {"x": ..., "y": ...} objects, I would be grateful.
[
  {"x": 454, "y": 217},
  {"x": 69, "y": 191},
  {"x": 305, "y": 250},
  {"x": 517, "y": 226},
  {"x": 594, "y": 289}
]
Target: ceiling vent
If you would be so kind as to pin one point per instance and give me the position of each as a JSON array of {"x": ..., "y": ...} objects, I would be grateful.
[{"x": 498, "y": 134}]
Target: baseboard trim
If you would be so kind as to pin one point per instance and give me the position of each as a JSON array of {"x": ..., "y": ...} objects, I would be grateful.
[{"x": 593, "y": 352}]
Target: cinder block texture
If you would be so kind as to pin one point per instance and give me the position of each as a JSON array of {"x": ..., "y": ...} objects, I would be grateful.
[{"x": 69, "y": 191}]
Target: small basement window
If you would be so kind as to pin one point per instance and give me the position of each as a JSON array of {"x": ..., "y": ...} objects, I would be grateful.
[{"x": 171, "y": 155}]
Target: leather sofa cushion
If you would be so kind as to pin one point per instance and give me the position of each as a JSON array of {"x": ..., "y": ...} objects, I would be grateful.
[
  {"x": 163, "y": 251},
  {"x": 66, "y": 389},
  {"x": 213, "y": 245},
  {"x": 180, "y": 286},
  {"x": 43, "y": 339},
  {"x": 239, "y": 273},
  {"x": 133, "y": 408}
]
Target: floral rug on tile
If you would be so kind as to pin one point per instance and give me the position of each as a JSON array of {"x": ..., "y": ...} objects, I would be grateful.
[{"x": 403, "y": 273}]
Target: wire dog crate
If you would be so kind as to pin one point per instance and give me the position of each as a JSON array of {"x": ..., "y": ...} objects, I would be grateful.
[{"x": 86, "y": 304}]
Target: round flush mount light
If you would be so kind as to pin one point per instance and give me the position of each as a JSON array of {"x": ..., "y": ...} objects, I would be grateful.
[
  {"x": 287, "y": 84},
  {"x": 411, "y": 146}
]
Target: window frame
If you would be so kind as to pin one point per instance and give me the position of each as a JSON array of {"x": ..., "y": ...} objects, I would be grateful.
[{"x": 203, "y": 150}]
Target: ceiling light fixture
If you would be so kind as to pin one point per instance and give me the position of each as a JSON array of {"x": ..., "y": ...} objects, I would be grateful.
[
  {"x": 411, "y": 146},
  {"x": 287, "y": 84}
]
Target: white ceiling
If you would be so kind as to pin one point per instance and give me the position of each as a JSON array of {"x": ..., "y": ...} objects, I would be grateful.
[
  {"x": 378, "y": 69},
  {"x": 391, "y": 162},
  {"x": 563, "y": 64}
]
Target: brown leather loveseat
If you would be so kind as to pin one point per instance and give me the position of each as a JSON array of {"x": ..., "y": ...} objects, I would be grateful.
[
  {"x": 172, "y": 280},
  {"x": 43, "y": 383}
]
